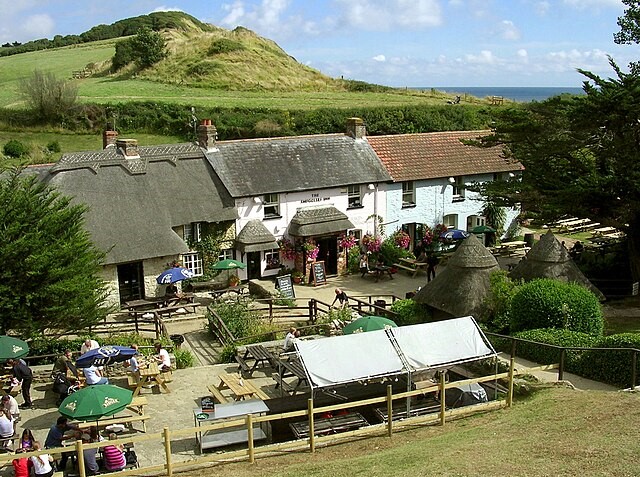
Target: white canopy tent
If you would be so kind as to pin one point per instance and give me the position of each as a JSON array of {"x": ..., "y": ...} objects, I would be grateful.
[{"x": 404, "y": 350}]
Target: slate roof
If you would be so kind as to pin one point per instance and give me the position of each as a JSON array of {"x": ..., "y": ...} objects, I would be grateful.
[
  {"x": 134, "y": 203},
  {"x": 277, "y": 165},
  {"x": 409, "y": 157}
]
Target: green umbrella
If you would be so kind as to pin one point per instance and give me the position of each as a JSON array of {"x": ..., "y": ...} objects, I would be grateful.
[
  {"x": 12, "y": 348},
  {"x": 94, "y": 402},
  {"x": 482, "y": 229},
  {"x": 228, "y": 265},
  {"x": 368, "y": 323}
]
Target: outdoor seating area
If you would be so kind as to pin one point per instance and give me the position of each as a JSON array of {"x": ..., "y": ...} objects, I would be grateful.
[
  {"x": 510, "y": 249},
  {"x": 412, "y": 266}
]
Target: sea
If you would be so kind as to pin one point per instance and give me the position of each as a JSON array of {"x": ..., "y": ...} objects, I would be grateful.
[{"x": 513, "y": 93}]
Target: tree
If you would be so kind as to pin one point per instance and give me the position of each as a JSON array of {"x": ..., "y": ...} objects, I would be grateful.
[
  {"x": 581, "y": 156},
  {"x": 49, "y": 275},
  {"x": 629, "y": 32},
  {"x": 148, "y": 47},
  {"x": 49, "y": 97}
]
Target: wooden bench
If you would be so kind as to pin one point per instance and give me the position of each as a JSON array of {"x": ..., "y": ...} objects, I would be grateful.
[
  {"x": 168, "y": 310},
  {"x": 243, "y": 367},
  {"x": 280, "y": 382},
  {"x": 127, "y": 420},
  {"x": 213, "y": 389},
  {"x": 404, "y": 267},
  {"x": 6, "y": 441},
  {"x": 132, "y": 381},
  {"x": 138, "y": 404}
]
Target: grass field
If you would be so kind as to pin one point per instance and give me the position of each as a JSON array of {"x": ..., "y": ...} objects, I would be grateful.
[{"x": 555, "y": 432}]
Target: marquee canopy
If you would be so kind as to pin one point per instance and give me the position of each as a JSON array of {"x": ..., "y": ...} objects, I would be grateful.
[{"x": 362, "y": 356}]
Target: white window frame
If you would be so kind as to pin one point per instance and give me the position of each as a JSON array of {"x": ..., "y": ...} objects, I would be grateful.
[
  {"x": 458, "y": 188},
  {"x": 354, "y": 196},
  {"x": 192, "y": 233},
  {"x": 271, "y": 206},
  {"x": 450, "y": 224},
  {"x": 408, "y": 194},
  {"x": 274, "y": 256},
  {"x": 225, "y": 254},
  {"x": 193, "y": 262}
]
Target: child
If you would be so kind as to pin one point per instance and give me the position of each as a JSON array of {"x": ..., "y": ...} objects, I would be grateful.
[{"x": 21, "y": 465}]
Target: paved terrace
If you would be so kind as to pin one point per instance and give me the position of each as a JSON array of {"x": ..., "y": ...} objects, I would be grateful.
[{"x": 175, "y": 409}]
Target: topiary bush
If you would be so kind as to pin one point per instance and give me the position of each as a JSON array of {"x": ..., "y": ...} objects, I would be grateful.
[
  {"x": 15, "y": 149},
  {"x": 611, "y": 366},
  {"x": 547, "y": 303},
  {"x": 548, "y": 354},
  {"x": 409, "y": 312}
]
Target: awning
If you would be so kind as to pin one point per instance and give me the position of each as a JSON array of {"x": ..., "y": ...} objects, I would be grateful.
[
  {"x": 318, "y": 221},
  {"x": 255, "y": 237}
]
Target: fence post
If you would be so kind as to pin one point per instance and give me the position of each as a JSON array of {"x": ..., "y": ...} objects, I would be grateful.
[
  {"x": 312, "y": 441},
  {"x": 270, "y": 311},
  {"x": 250, "y": 438},
  {"x": 80, "y": 454},
  {"x": 634, "y": 366},
  {"x": 443, "y": 403},
  {"x": 389, "y": 410},
  {"x": 310, "y": 305},
  {"x": 167, "y": 451},
  {"x": 512, "y": 362},
  {"x": 563, "y": 356},
  {"x": 513, "y": 348}
]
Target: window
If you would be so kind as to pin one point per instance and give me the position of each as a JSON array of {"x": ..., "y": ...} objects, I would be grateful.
[
  {"x": 226, "y": 254},
  {"x": 192, "y": 233},
  {"x": 458, "y": 188},
  {"x": 408, "y": 194},
  {"x": 272, "y": 257},
  {"x": 451, "y": 221},
  {"x": 355, "y": 197},
  {"x": 271, "y": 205},
  {"x": 193, "y": 262}
]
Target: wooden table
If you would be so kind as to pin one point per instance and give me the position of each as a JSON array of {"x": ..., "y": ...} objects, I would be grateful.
[
  {"x": 511, "y": 248},
  {"x": 239, "y": 291},
  {"x": 329, "y": 425},
  {"x": 239, "y": 387},
  {"x": 380, "y": 270},
  {"x": 256, "y": 353},
  {"x": 415, "y": 265},
  {"x": 150, "y": 374},
  {"x": 288, "y": 369}
]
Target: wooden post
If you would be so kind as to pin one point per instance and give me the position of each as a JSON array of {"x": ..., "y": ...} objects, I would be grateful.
[
  {"x": 443, "y": 402},
  {"x": 563, "y": 357},
  {"x": 135, "y": 320},
  {"x": 311, "y": 317},
  {"x": 312, "y": 437},
  {"x": 167, "y": 451},
  {"x": 390, "y": 410},
  {"x": 252, "y": 458},
  {"x": 79, "y": 451},
  {"x": 634, "y": 371},
  {"x": 512, "y": 363}
]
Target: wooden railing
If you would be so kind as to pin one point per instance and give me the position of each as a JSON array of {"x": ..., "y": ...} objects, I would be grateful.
[{"x": 170, "y": 436}]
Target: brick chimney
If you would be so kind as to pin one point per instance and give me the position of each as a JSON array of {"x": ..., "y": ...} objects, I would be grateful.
[
  {"x": 356, "y": 128},
  {"x": 109, "y": 137},
  {"x": 207, "y": 134},
  {"x": 128, "y": 147}
]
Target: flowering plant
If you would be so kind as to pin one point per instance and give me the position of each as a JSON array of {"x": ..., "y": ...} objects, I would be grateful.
[
  {"x": 287, "y": 249},
  {"x": 347, "y": 241},
  {"x": 312, "y": 250},
  {"x": 439, "y": 230},
  {"x": 402, "y": 239},
  {"x": 372, "y": 244}
]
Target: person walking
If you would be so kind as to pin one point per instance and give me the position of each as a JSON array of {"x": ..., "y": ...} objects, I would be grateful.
[{"x": 432, "y": 262}]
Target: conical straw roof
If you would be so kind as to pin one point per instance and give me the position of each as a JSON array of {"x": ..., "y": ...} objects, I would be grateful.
[{"x": 461, "y": 288}]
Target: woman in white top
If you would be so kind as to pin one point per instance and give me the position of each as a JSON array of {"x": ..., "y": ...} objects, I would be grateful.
[
  {"x": 162, "y": 357},
  {"x": 41, "y": 463}
]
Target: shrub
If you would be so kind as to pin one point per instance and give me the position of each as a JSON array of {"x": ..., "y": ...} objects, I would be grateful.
[
  {"x": 203, "y": 68},
  {"x": 496, "y": 311},
  {"x": 409, "y": 312},
  {"x": 228, "y": 354},
  {"x": 547, "y": 354},
  {"x": 15, "y": 148},
  {"x": 238, "y": 318},
  {"x": 53, "y": 146},
  {"x": 184, "y": 358},
  {"x": 546, "y": 303},
  {"x": 612, "y": 366},
  {"x": 353, "y": 260},
  {"x": 224, "y": 45}
]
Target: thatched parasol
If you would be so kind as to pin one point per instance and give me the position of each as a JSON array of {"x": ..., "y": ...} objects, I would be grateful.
[
  {"x": 460, "y": 289},
  {"x": 548, "y": 258}
]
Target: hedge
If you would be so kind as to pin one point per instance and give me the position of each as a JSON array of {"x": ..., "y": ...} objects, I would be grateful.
[
  {"x": 613, "y": 367},
  {"x": 548, "y": 354}
]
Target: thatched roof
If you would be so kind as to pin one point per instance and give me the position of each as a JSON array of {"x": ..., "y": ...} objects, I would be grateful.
[
  {"x": 460, "y": 289},
  {"x": 548, "y": 258}
]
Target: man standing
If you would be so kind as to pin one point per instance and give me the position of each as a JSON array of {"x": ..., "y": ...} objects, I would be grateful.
[
  {"x": 342, "y": 297},
  {"x": 88, "y": 345},
  {"x": 23, "y": 373}
]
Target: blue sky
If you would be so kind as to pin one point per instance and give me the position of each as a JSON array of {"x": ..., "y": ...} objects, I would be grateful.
[{"x": 415, "y": 43}]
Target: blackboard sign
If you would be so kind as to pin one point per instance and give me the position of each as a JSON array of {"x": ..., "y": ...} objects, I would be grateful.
[
  {"x": 285, "y": 285},
  {"x": 319, "y": 276},
  {"x": 207, "y": 404}
]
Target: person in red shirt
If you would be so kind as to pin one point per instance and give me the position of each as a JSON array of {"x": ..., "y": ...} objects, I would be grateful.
[{"x": 21, "y": 465}]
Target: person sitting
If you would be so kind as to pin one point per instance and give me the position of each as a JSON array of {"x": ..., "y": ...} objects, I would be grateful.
[
  {"x": 288, "y": 340},
  {"x": 90, "y": 456},
  {"x": 364, "y": 264},
  {"x": 132, "y": 364},
  {"x": 62, "y": 363},
  {"x": 10, "y": 404},
  {"x": 6, "y": 428},
  {"x": 576, "y": 250},
  {"x": 55, "y": 437},
  {"x": 163, "y": 358},
  {"x": 26, "y": 440},
  {"x": 114, "y": 459},
  {"x": 88, "y": 345},
  {"x": 21, "y": 465},
  {"x": 41, "y": 463},
  {"x": 342, "y": 297},
  {"x": 93, "y": 376}
]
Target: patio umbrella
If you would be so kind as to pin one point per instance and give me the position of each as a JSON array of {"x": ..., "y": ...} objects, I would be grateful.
[
  {"x": 94, "y": 402},
  {"x": 228, "y": 264},
  {"x": 368, "y": 323},
  {"x": 173, "y": 275},
  {"x": 11, "y": 347},
  {"x": 483, "y": 229},
  {"x": 454, "y": 234},
  {"x": 105, "y": 355}
]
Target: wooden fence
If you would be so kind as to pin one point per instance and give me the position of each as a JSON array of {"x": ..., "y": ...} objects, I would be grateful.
[{"x": 170, "y": 436}]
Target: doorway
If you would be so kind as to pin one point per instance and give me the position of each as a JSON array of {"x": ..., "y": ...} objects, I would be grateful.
[
  {"x": 253, "y": 265},
  {"x": 328, "y": 252},
  {"x": 130, "y": 281}
]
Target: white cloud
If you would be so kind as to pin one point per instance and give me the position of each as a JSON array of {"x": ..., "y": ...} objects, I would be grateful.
[
  {"x": 542, "y": 8},
  {"x": 380, "y": 58},
  {"x": 167, "y": 9},
  {"x": 508, "y": 30},
  {"x": 485, "y": 57},
  {"x": 522, "y": 53},
  {"x": 380, "y": 15},
  {"x": 584, "y": 4},
  {"x": 38, "y": 26}
]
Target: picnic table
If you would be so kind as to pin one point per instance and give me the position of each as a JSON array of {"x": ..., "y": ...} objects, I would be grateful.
[
  {"x": 239, "y": 387},
  {"x": 287, "y": 369},
  {"x": 260, "y": 356},
  {"x": 379, "y": 271},
  {"x": 239, "y": 291},
  {"x": 511, "y": 248},
  {"x": 412, "y": 265},
  {"x": 334, "y": 424},
  {"x": 150, "y": 375}
]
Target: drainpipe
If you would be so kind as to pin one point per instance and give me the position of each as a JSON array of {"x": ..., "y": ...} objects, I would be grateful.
[{"x": 375, "y": 210}]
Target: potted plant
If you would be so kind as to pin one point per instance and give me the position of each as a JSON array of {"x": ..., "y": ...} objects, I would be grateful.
[
  {"x": 234, "y": 281},
  {"x": 296, "y": 275}
]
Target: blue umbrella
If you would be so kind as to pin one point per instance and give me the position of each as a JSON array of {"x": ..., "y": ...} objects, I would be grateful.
[
  {"x": 454, "y": 234},
  {"x": 105, "y": 355},
  {"x": 173, "y": 275}
]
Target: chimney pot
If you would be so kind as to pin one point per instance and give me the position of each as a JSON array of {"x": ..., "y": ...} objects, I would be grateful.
[
  {"x": 109, "y": 138},
  {"x": 207, "y": 135},
  {"x": 129, "y": 148}
]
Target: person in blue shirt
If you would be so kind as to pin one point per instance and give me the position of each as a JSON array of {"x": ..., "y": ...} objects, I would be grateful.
[{"x": 55, "y": 437}]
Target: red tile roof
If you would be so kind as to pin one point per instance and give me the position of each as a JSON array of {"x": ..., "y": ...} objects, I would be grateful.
[{"x": 441, "y": 154}]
